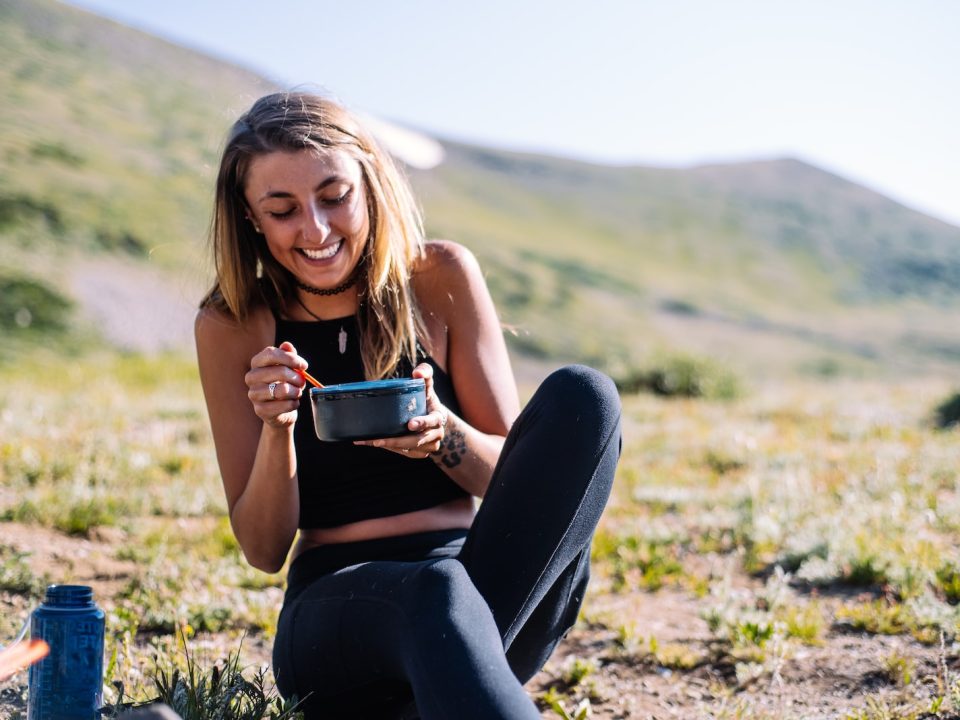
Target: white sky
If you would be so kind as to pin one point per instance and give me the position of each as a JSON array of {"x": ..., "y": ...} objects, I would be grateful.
[{"x": 865, "y": 88}]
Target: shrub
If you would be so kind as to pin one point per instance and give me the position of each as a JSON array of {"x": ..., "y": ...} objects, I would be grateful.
[
  {"x": 948, "y": 412},
  {"x": 30, "y": 304},
  {"x": 682, "y": 375},
  {"x": 20, "y": 209},
  {"x": 948, "y": 582}
]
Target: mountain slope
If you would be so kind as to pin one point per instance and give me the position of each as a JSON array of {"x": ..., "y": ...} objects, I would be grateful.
[
  {"x": 731, "y": 257},
  {"x": 108, "y": 134},
  {"x": 108, "y": 138}
]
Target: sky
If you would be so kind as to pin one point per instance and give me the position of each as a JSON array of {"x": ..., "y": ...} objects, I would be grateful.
[{"x": 867, "y": 89}]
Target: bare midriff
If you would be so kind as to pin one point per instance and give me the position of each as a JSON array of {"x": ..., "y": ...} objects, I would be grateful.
[{"x": 447, "y": 516}]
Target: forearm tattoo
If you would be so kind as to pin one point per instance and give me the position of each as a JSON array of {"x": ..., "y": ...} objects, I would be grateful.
[{"x": 453, "y": 448}]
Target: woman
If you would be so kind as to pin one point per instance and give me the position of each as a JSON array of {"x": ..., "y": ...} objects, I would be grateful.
[{"x": 399, "y": 594}]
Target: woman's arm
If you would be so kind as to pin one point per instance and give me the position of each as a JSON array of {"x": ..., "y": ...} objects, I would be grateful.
[
  {"x": 466, "y": 339},
  {"x": 479, "y": 366},
  {"x": 252, "y": 433}
]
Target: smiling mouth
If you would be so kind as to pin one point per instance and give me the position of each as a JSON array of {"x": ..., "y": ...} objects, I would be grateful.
[{"x": 323, "y": 253}]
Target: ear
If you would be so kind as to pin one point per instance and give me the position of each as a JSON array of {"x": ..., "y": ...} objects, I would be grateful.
[{"x": 249, "y": 214}]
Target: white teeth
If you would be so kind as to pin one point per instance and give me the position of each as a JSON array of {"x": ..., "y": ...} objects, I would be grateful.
[{"x": 323, "y": 253}]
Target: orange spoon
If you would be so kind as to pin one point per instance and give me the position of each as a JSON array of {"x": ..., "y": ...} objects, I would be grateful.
[{"x": 309, "y": 378}]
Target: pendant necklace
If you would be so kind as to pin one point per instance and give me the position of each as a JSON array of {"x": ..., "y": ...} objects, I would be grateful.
[{"x": 341, "y": 337}]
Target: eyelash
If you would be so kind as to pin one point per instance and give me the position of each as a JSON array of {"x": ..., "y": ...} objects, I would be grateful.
[{"x": 332, "y": 202}]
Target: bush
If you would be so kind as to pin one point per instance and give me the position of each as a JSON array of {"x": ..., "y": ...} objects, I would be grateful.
[
  {"x": 29, "y": 304},
  {"x": 20, "y": 209},
  {"x": 681, "y": 376},
  {"x": 948, "y": 412}
]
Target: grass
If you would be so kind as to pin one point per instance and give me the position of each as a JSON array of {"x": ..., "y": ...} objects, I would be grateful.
[
  {"x": 110, "y": 438},
  {"x": 789, "y": 516},
  {"x": 221, "y": 692},
  {"x": 16, "y": 575}
]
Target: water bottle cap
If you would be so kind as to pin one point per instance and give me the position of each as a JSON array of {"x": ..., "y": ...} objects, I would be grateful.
[{"x": 68, "y": 595}]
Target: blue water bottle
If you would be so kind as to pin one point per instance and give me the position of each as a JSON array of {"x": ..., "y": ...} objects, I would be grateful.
[{"x": 68, "y": 683}]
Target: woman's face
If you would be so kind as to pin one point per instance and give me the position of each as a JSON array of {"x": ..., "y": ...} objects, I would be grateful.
[{"x": 312, "y": 210}]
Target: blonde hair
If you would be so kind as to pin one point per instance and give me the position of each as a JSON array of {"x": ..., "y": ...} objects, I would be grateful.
[{"x": 248, "y": 276}]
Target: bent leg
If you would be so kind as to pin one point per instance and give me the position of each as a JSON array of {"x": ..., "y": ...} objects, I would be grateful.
[
  {"x": 528, "y": 550},
  {"x": 354, "y": 632}
]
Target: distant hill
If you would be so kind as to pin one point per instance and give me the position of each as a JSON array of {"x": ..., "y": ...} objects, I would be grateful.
[
  {"x": 108, "y": 138},
  {"x": 775, "y": 259}
]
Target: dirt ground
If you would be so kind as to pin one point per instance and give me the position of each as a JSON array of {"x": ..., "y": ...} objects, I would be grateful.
[
  {"x": 824, "y": 681},
  {"x": 828, "y": 681}
]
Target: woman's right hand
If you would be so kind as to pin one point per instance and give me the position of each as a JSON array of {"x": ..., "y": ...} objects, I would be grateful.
[{"x": 273, "y": 385}]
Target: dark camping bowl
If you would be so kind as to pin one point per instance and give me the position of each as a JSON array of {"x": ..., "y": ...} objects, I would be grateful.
[{"x": 367, "y": 410}]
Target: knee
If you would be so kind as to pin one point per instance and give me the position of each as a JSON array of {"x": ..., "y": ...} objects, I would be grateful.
[
  {"x": 578, "y": 392},
  {"x": 449, "y": 613},
  {"x": 444, "y": 590}
]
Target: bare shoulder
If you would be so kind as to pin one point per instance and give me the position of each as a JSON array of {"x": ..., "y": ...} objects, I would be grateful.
[
  {"x": 219, "y": 334},
  {"x": 445, "y": 273},
  {"x": 445, "y": 257}
]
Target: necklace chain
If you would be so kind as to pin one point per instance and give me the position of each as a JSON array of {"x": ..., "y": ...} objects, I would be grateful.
[
  {"x": 341, "y": 337},
  {"x": 309, "y": 311}
]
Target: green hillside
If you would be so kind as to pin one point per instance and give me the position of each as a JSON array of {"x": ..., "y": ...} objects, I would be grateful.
[
  {"x": 108, "y": 137},
  {"x": 774, "y": 261}
]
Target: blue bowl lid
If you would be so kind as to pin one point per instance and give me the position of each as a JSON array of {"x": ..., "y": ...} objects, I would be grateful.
[{"x": 368, "y": 388}]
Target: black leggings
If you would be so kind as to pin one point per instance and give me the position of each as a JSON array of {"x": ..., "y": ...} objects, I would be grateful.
[{"x": 457, "y": 621}]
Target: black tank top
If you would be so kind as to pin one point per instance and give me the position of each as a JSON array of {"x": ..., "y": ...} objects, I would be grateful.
[{"x": 341, "y": 482}]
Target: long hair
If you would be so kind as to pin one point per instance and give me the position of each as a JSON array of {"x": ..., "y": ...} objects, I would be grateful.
[{"x": 248, "y": 276}]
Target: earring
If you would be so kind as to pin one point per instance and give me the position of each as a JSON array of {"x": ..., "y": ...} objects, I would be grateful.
[{"x": 255, "y": 226}]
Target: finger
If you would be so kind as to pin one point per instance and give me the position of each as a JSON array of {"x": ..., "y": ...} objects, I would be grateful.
[
  {"x": 278, "y": 413},
  {"x": 263, "y": 376},
  {"x": 423, "y": 370},
  {"x": 261, "y": 396},
  {"x": 430, "y": 440},
  {"x": 402, "y": 445},
  {"x": 276, "y": 391},
  {"x": 12, "y": 659},
  {"x": 435, "y": 419},
  {"x": 283, "y": 355}
]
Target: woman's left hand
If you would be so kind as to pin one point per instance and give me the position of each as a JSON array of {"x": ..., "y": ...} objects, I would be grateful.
[{"x": 426, "y": 431}]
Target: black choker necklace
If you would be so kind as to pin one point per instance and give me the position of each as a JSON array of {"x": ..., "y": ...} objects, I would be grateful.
[{"x": 349, "y": 283}]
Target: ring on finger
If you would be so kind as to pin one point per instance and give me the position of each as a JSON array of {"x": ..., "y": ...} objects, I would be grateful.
[{"x": 272, "y": 387}]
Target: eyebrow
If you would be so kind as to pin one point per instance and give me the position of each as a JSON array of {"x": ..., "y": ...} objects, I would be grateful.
[{"x": 283, "y": 194}]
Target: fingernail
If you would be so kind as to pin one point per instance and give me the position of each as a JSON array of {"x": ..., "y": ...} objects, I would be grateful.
[{"x": 416, "y": 424}]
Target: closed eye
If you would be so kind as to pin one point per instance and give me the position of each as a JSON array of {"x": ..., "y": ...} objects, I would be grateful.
[{"x": 339, "y": 200}]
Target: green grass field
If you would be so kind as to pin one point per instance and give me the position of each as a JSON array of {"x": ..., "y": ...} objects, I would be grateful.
[{"x": 802, "y": 524}]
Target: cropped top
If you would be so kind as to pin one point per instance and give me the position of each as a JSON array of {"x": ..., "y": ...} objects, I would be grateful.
[{"x": 341, "y": 482}]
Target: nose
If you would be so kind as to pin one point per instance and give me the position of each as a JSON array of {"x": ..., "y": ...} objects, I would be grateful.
[{"x": 316, "y": 225}]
